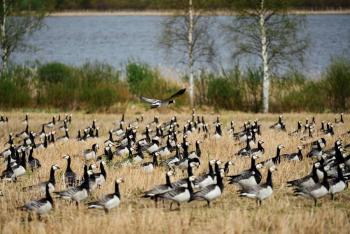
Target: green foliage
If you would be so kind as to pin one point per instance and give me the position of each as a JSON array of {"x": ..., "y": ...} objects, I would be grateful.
[
  {"x": 54, "y": 73},
  {"x": 15, "y": 91},
  {"x": 98, "y": 87},
  {"x": 337, "y": 83},
  {"x": 225, "y": 91}
]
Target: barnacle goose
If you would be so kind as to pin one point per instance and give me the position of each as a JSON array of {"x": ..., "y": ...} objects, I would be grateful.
[
  {"x": 262, "y": 191},
  {"x": 8, "y": 174},
  {"x": 101, "y": 177},
  {"x": 297, "y": 156},
  {"x": 42, "y": 206},
  {"x": 64, "y": 138},
  {"x": 91, "y": 153},
  {"x": 34, "y": 163},
  {"x": 149, "y": 166},
  {"x": 24, "y": 134},
  {"x": 213, "y": 191},
  {"x": 155, "y": 103},
  {"x": 80, "y": 192},
  {"x": 337, "y": 185},
  {"x": 179, "y": 194},
  {"x": 218, "y": 131},
  {"x": 19, "y": 168},
  {"x": 280, "y": 125},
  {"x": 109, "y": 201},
  {"x": 309, "y": 180},
  {"x": 160, "y": 189},
  {"x": 51, "y": 182},
  {"x": 52, "y": 123},
  {"x": 248, "y": 177},
  {"x": 69, "y": 175},
  {"x": 206, "y": 179},
  {"x": 316, "y": 191},
  {"x": 275, "y": 160}
]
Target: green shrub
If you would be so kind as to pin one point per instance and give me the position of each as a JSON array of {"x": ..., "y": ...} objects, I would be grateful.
[
  {"x": 14, "y": 92},
  {"x": 337, "y": 83},
  {"x": 225, "y": 91},
  {"x": 54, "y": 72}
]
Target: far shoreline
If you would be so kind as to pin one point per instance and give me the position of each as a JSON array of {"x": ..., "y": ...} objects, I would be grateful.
[{"x": 169, "y": 13}]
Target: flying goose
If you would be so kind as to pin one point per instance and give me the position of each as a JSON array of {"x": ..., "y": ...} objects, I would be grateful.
[
  {"x": 42, "y": 206},
  {"x": 155, "y": 103},
  {"x": 212, "y": 191},
  {"x": 179, "y": 194},
  {"x": 316, "y": 191},
  {"x": 51, "y": 182},
  {"x": 70, "y": 178},
  {"x": 260, "y": 192},
  {"x": 109, "y": 201},
  {"x": 91, "y": 153}
]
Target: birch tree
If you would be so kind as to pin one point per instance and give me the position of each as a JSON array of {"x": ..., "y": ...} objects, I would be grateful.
[
  {"x": 264, "y": 30},
  {"x": 18, "y": 20},
  {"x": 186, "y": 34}
]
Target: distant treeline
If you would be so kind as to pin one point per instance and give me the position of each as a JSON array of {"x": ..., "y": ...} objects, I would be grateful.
[
  {"x": 60, "y": 5},
  {"x": 100, "y": 87}
]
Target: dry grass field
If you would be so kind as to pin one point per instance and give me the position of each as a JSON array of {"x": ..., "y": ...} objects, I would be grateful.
[{"x": 282, "y": 213}]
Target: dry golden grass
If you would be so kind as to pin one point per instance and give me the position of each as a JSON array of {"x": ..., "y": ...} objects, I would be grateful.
[{"x": 282, "y": 213}]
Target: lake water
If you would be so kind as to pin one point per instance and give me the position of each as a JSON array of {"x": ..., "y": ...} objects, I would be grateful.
[{"x": 118, "y": 39}]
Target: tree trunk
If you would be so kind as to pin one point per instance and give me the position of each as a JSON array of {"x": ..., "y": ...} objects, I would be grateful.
[
  {"x": 4, "y": 55},
  {"x": 190, "y": 52},
  {"x": 264, "y": 55}
]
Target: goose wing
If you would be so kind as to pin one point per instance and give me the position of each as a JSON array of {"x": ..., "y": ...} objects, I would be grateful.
[
  {"x": 177, "y": 94},
  {"x": 149, "y": 100}
]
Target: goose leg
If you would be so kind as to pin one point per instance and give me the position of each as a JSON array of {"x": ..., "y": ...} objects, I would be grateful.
[{"x": 208, "y": 202}]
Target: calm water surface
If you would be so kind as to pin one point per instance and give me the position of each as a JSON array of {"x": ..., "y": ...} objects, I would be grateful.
[{"x": 118, "y": 39}]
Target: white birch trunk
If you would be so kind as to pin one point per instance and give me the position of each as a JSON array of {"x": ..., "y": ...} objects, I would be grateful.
[
  {"x": 264, "y": 55},
  {"x": 190, "y": 52},
  {"x": 4, "y": 55}
]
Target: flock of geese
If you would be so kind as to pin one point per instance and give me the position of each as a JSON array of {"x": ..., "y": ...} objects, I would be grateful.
[{"x": 166, "y": 144}]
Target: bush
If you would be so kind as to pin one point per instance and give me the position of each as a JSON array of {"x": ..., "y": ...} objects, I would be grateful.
[
  {"x": 225, "y": 91},
  {"x": 15, "y": 92},
  {"x": 337, "y": 83},
  {"x": 54, "y": 73}
]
